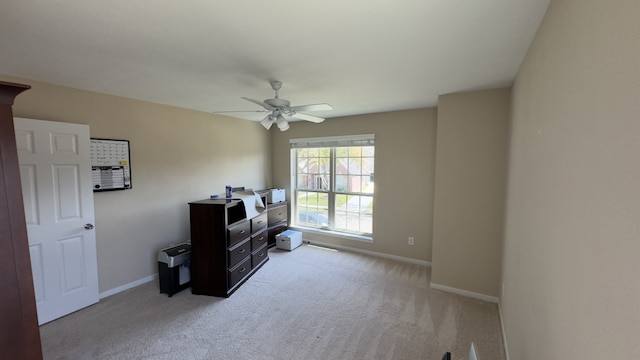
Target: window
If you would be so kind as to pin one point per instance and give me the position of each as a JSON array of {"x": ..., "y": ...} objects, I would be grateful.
[{"x": 332, "y": 183}]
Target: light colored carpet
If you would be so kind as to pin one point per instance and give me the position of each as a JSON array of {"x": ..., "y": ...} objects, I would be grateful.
[{"x": 311, "y": 303}]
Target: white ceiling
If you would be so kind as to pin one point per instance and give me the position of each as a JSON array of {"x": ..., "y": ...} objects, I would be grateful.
[{"x": 359, "y": 56}]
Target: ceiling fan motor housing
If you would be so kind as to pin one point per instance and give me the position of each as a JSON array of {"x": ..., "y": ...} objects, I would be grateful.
[{"x": 278, "y": 103}]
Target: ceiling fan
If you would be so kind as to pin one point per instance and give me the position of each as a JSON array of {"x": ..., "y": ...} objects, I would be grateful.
[{"x": 277, "y": 108}]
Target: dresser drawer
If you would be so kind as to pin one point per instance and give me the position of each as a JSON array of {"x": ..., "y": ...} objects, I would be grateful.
[
  {"x": 238, "y": 252},
  {"x": 238, "y": 232},
  {"x": 238, "y": 273},
  {"x": 259, "y": 223},
  {"x": 259, "y": 256},
  {"x": 257, "y": 241},
  {"x": 277, "y": 215}
]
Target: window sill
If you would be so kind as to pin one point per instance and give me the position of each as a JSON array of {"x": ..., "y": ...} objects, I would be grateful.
[{"x": 337, "y": 234}]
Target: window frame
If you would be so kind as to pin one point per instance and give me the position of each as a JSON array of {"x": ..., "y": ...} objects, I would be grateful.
[{"x": 332, "y": 142}]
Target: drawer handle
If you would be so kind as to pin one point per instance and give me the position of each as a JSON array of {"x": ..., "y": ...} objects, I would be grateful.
[
  {"x": 242, "y": 251},
  {"x": 279, "y": 214},
  {"x": 260, "y": 222},
  {"x": 261, "y": 238},
  {"x": 242, "y": 270},
  {"x": 241, "y": 232},
  {"x": 261, "y": 254}
]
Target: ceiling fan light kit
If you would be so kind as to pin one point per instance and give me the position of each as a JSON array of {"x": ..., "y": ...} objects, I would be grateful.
[
  {"x": 279, "y": 107},
  {"x": 283, "y": 125},
  {"x": 267, "y": 122}
]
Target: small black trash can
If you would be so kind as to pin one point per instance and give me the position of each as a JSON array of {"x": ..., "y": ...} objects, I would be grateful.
[{"x": 174, "y": 268}]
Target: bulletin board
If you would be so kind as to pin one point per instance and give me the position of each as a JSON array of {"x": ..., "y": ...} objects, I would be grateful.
[{"x": 110, "y": 164}]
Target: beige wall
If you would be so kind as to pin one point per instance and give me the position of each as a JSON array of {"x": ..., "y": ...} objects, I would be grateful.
[
  {"x": 404, "y": 175},
  {"x": 177, "y": 156},
  {"x": 470, "y": 190},
  {"x": 572, "y": 236}
]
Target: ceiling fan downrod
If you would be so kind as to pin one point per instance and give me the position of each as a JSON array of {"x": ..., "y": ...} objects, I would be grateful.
[{"x": 276, "y": 85}]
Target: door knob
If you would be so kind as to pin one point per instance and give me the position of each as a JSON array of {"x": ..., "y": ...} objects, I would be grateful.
[{"x": 88, "y": 226}]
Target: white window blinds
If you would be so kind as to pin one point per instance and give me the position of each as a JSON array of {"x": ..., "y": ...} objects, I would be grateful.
[{"x": 333, "y": 141}]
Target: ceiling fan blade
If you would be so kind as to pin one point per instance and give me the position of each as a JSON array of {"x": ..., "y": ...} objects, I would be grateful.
[
  {"x": 312, "y": 107},
  {"x": 314, "y": 119},
  {"x": 242, "y": 111},
  {"x": 266, "y": 106}
]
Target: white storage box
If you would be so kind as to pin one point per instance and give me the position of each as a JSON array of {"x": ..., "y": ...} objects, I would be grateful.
[
  {"x": 288, "y": 240},
  {"x": 275, "y": 196}
]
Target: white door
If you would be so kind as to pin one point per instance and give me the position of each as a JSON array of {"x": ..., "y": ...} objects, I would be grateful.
[{"x": 55, "y": 171}]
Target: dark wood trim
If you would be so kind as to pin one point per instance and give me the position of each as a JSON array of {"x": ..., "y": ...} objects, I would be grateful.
[
  {"x": 19, "y": 332},
  {"x": 9, "y": 91}
]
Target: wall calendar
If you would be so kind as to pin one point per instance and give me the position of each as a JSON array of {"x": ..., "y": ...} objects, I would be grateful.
[{"x": 110, "y": 164}]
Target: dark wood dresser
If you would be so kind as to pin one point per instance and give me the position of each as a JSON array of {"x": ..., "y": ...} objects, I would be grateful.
[{"x": 226, "y": 247}]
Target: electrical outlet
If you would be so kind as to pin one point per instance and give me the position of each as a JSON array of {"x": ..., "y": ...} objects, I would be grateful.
[{"x": 410, "y": 240}]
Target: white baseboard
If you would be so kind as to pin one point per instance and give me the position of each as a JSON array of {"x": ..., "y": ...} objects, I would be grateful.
[
  {"x": 128, "y": 286},
  {"x": 367, "y": 252},
  {"x": 504, "y": 335},
  {"x": 466, "y": 293}
]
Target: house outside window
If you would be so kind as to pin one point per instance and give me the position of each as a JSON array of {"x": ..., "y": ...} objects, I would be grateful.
[{"x": 333, "y": 184}]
